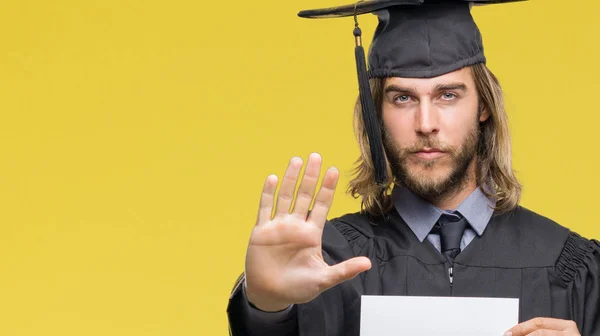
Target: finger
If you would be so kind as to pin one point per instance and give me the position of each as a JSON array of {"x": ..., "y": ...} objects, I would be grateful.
[
  {"x": 324, "y": 197},
  {"x": 267, "y": 197},
  {"x": 540, "y": 323},
  {"x": 288, "y": 185},
  {"x": 344, "y": 271},
  {"x": 306, "y": 191},
  {"x": 546, "y": 332}
]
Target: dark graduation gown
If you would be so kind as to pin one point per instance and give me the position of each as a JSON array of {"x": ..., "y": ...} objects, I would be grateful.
[{"x": 553, "y": 271}]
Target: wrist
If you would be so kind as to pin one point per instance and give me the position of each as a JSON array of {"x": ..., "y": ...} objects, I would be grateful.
[{"x": 266, "y": 305}]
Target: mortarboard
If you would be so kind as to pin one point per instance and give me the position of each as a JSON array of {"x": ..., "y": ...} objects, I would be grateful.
[{"x": 414, "y": 39}]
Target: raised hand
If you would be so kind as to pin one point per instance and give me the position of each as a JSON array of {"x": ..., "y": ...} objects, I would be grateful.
[{"x": 284, "y": 263}]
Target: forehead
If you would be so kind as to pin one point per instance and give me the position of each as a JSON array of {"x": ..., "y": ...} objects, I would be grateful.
[{"x": 461, "y": 76}]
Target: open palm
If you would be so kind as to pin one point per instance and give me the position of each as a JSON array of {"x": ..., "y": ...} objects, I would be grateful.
[{"x": 284, "y": 263}]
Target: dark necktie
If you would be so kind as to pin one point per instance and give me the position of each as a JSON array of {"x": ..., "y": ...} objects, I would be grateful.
[{"x": 451, "y": 229}]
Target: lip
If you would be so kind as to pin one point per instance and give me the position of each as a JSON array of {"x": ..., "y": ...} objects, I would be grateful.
[{"x": 430, "y": 153}]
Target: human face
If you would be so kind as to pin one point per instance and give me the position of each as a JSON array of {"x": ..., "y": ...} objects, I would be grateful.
[{"x": 431, "y": 131}]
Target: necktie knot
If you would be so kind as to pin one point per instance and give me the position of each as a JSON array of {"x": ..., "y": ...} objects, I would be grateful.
[{"x": 451, "y": 229}]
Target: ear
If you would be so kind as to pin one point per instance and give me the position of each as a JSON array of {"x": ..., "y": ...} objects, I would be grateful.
[{"x": 484, "y": 114}]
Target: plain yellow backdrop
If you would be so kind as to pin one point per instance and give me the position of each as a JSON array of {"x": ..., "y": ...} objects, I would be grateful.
[{"x": 135, "y": 137}]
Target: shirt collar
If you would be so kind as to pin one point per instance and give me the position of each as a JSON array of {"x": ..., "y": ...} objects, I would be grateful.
[{"x": 421, "y": 216}]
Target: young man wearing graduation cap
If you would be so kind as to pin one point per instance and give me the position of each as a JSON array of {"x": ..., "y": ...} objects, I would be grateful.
[{"x": 440, "y": 213}]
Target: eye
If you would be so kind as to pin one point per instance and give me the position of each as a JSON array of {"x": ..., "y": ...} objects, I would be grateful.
[
  {"x": 402, "y": 99},
  {"x": 448, "y": 96}
]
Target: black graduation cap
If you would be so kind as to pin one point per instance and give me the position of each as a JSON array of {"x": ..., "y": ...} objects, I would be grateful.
[{"x": 415, "y": 39}]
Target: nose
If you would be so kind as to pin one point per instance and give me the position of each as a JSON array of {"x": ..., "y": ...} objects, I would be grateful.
[{"x": 426, "y": 121}]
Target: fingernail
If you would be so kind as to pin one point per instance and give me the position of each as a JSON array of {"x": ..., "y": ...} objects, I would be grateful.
[{"x": 508, "y": 333}]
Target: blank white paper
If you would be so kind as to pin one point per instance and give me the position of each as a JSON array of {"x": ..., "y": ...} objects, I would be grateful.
[{"x": 429, "y": 316}]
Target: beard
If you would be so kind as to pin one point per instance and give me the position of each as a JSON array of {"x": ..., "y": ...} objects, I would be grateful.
[{"x": 421, "y": 176}]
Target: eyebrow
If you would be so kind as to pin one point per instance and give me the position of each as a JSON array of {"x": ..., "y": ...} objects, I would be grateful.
[
  {"x": 396, "y": 88},
  {"x": 438, "y": 88},
  {"x": 451, "y": 86}
]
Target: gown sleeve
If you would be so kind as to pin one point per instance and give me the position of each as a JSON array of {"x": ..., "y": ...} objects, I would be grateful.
[
  {"x": 326, "y": 315},
  {"x": 247, "y": 320},
  {"x": 579, "y": 269}
]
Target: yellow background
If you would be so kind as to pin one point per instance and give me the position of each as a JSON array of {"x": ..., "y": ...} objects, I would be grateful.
[{"x": 135, "y": 137}]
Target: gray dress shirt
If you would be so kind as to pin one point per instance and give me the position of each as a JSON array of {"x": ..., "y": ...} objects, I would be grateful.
[{"x": 421, "y": 216}]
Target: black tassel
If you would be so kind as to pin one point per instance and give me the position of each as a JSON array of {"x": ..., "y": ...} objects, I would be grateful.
[{"x": 369, "y": 112}]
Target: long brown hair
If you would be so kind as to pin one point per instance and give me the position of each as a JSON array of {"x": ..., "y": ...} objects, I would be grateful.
[{"x": 494, "y": 166}]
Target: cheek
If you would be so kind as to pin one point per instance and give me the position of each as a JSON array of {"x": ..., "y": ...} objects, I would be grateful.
[
  {"x": 454, "y": 129},
  {"x": 398, "y": 127},
  {"x": 457, "y": 126}
]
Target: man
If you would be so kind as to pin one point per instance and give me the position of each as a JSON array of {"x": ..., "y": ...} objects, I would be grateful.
[{"x": 440, "y": 213}]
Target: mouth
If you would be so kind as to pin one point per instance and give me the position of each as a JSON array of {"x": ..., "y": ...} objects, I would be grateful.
[{"x": 429, "y": 153}]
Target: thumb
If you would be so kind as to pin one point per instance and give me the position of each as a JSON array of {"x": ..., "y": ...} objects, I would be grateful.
[{"x": 345, "y": 271}]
